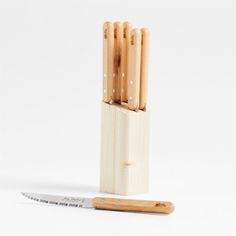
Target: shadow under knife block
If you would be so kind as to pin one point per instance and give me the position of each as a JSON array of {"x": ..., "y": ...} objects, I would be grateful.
[{"x": 124, "y": 150}]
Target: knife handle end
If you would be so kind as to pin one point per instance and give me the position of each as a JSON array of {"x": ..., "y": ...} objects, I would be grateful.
[{"x": 117, "y": 204}]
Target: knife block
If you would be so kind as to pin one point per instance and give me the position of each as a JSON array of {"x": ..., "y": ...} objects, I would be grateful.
[{"x": 124, "y": 150}]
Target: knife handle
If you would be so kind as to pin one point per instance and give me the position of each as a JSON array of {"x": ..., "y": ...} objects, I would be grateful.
[
  {"x": 127, "y": 27},
  {"x": 117, "y": 204},
  {"x": 118, "y": 41},
  {"x": 108, "y": 61},
  {"x": 144, "y": 69},
  {"x": 134, "y": 60}
]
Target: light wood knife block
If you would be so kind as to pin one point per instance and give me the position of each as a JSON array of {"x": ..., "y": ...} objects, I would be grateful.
[{"x": 124, "y": 150}]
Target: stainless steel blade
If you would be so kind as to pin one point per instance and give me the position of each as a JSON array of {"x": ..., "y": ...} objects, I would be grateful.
[{"x": 60, "y": 200}]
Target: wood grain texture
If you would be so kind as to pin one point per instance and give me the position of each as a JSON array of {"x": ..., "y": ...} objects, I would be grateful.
[
  {"x": 124, "y": 150},
  {"x": 133, "y": 205}
]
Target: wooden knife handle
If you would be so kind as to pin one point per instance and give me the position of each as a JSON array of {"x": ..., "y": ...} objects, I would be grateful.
[
  {"x": 117, "y": 204},
  {"x": 108, "y": 61},
  {"x": 127, "y": 27},
  {"x": 134, "y": 60},
  {"x": 118, "y": 41},
  {"x": 144, "y": 69}
]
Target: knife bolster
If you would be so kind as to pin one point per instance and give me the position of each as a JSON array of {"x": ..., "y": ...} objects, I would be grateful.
[{"x": 124, "y": 150}]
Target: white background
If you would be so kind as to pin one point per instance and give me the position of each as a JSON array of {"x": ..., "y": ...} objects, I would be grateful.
[{"x": 50, "y": 93}]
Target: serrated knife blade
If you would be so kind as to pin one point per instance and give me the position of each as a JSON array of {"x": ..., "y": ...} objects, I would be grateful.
[{"x": 60, "y": 200}]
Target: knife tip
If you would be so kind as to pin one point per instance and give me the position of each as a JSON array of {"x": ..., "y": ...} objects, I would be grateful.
[{"x": 25, "y": 194}]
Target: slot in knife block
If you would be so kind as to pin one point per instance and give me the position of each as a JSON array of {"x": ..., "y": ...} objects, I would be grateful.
[{"x": 124, "y": 150}]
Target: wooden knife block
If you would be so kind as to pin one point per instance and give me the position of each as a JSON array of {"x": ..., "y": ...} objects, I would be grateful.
[{"x": 124, "y": 150}]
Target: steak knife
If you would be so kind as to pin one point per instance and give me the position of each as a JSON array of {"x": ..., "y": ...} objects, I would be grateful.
[{"x": 102, "y": 203}]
